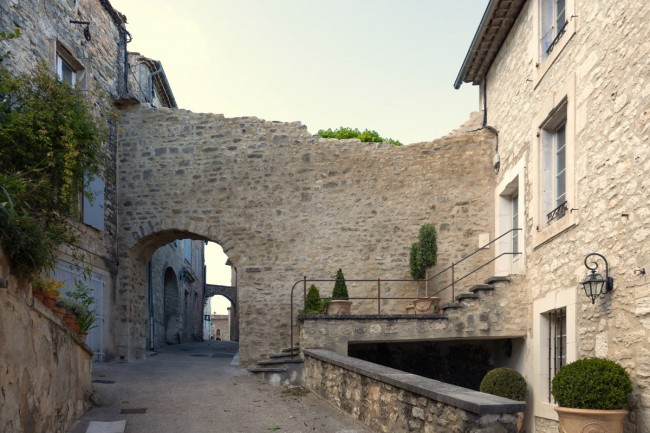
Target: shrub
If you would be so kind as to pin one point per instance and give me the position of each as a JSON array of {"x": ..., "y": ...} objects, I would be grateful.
[
  {"x": 415, "y": 262},
  {"x": 313, "y": 302},
  {"x": 504, "y": 382},
  {"x": 340, "y": 288},
  {"x": 428, "y": 240},
  {"x": 592, "y": 383}
]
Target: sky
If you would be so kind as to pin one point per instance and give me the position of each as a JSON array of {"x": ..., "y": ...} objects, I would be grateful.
[{"x": 384, "y": 65}]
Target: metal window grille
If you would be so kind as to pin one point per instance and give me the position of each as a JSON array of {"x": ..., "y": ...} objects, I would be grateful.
[{"x": 556, "y": 344}]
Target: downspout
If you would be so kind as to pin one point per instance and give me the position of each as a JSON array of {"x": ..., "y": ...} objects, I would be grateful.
[
  {"x": 150, "y": 81},
  {"x": 496, "y": 162},
  {"x": 150, "y": 296}
]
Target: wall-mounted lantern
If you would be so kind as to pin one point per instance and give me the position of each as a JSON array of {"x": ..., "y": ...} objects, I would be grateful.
[{"x": 595, "y": 284}]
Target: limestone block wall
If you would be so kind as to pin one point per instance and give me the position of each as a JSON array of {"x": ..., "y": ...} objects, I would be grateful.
[
  {"x": 607, "y": 60},
  {"x": 286, "y": 204},
  {"x": 45, "y": 382},
  {"x": 387, "y": 400}
]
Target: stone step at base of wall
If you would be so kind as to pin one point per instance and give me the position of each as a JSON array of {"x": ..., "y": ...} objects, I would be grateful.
[
  {"x": 451, "y": 306},
  {"x": 497, "y": 279},
  {"x": 284, "y": 355},
  {"x": 482, "y": 288},
  {"x": 291, "y": 374},
  {"x": 464, "y": 296}
]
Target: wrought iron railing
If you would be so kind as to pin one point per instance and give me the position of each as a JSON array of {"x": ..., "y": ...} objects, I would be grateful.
[{"x": 452, "y": 285}]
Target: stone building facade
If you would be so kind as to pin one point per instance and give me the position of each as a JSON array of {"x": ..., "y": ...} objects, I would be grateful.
[{"x": 568, "y": 91}]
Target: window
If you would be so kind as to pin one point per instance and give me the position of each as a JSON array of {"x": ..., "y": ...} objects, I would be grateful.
[
  {"x": 93, "y": 207},
  {"x": 65, "y": 71},
  {"x": 554, "y": 344},
  {"x": 509, "y": 207},
  {"x": 553, "y": 177},
  {"x": 553, "y": 24},
  {"x": 553, "y": 148},
  {"x": 556, "y": 358}
]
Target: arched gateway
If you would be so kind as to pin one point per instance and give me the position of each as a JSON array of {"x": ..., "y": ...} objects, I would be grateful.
[{"x": 284, "y": 203}]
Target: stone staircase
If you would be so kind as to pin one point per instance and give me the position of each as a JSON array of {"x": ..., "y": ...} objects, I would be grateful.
[{"x": 284, "y": 368}]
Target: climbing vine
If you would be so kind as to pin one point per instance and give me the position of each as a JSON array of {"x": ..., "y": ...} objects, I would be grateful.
[{"x": 50, "y": 143}]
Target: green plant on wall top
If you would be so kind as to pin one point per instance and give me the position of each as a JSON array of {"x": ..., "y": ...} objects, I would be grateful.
[
  {"x": 366, "y": 136},
  {"x": 51, "y": 143},
  {"x": 340, "y": 288},
  {"x": 313, "y": 303},
  {"x": 592, "y": 383},
  {"x": 504, "y": 382}
]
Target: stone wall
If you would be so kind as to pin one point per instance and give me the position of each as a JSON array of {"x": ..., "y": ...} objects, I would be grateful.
[
  {"x": 607, "y": 60},
  {"x": 284, "y": 204},
  {"x": 45, "y": 29},
  {"x": 388, "y": 400},
  {"x": 45, "y": 383}
]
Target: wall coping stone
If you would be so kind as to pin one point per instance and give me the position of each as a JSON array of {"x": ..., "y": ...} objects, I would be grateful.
[
  {"x": 472, "y": 401},
  {"x": 383, "y": 317}
]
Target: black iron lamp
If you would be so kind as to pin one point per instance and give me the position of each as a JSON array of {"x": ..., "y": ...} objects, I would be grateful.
[{"x": 595, "y": 284}]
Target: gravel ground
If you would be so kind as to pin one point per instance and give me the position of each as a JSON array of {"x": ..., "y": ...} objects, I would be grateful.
[{"x": 193, "y": 388}]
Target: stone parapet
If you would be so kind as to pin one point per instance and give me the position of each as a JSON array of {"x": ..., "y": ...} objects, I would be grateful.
[{"x": 389, "y": 400}]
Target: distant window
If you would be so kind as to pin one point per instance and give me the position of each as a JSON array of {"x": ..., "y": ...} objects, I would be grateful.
[
  {"x": 556, "y": 345},
  {"x": 93, "y": 207},
  {"x": 65, "y": 71}
]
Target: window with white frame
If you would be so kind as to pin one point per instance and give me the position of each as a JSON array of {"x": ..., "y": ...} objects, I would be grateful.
[
  {"x": 553, "y": 22},
  {"x": 65, "y": 71},
  {"x": 554, "y": 164},
  {"x": 555, "y": 321},
  {"x": 555, "y": 343},
  {"x": 509, "y": 200}
]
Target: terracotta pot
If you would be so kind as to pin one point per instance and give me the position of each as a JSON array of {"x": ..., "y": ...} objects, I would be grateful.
[
  {"x": 39, "y": 295},
  {"x": 430, "y": 305},
  {"x": 82, "y": 336},
  {"x": 339, "y": 307},
  {"x": 70, "y": 320},
  {"x": 49, "y": 302},
  {"x": 59, "y": 311},
  {"x": 590, "y": 420}
]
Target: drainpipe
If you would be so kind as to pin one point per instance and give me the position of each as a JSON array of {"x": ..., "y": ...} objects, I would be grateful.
[
  {"x": 150, "y": 81},
  {"x": 151, "y": 318},
  {"x": 496, "y": 162}
]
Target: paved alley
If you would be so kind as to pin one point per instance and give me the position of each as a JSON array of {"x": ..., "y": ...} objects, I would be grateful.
[{"x": 194, "y": 388}]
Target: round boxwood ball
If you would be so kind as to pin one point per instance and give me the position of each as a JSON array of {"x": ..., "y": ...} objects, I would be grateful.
[
  {"x": 592, "y": 383},
  {"x": 504, "y": 382}
]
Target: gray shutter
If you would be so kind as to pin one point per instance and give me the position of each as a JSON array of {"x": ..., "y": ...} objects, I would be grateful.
[{"x": 93, "y": 209}]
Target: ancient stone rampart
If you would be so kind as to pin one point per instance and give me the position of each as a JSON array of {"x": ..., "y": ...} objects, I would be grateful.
[{"x": 284, "y": 204}]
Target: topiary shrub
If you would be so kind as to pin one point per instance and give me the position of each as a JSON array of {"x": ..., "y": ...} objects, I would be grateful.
[
  {"x": 313, "y": 302},
  {"x": 340, "y": 288},
  {"x": 428, "y": 240},
  {"x": 504, "y": 382},
  {"x": 592, "y": 383}
]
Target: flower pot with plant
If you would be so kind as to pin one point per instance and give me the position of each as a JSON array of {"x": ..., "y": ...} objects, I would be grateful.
[
  {"x": 591, "y": 392},
  {"x": 48, "y": 290},
  {"x": 423, "y": 255},
  {"x": 340, "y": 303}
]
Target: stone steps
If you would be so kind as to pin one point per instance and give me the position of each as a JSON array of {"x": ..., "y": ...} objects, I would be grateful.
[{"x": 284, "y": 368}]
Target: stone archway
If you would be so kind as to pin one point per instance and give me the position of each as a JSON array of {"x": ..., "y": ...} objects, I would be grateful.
[
  {"x": 283, "y": 204},
  {"x": 230, "y": 293}
]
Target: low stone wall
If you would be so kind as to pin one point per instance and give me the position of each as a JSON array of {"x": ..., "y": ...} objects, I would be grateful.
[
  {"x": 44, "y": 369},
  {"x": 389, "y": 400}
]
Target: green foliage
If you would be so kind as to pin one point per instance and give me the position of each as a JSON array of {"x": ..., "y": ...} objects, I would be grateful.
[
  {"x": 340, "y": 288},
  {"x": 418, "y": 271},
  {"x": 51, "y": 142},
  {"x": 10, "y": 35},
  {"x": 504, "y": 382},
  {"x": 423, "y": 253},
  {"x": 365, "y": 136},
  {"x": 313, "y": 302},
  {"x": 592, "y": 383},
  {"x": 428, "y": 245},
  {"x": 82, "y": 296}
]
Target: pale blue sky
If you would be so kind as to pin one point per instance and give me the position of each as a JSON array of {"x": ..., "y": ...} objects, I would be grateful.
[{"x": 387, "y": 65}]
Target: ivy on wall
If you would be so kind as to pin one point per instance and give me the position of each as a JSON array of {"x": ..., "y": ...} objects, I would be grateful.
[{"x": 50, "y": 142}]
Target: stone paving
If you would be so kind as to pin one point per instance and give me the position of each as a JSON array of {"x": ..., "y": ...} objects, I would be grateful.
[{"x": 196, "y": 388}]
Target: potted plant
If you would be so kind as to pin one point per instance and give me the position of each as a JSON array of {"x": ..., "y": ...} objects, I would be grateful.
[
  {"x": 507, "y": 383},
  {"x": 340, "y": 303},
  {"x": 591, "y": 392},
  {"x": 313, "y": 303},
  {"x": 82, "y": 300},
  {"x": 424, "y": 254},
  {"x": 48, "y": 290}
]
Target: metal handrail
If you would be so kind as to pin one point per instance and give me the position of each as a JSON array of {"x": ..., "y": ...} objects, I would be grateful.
[{"x": 304, "y": 280}]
